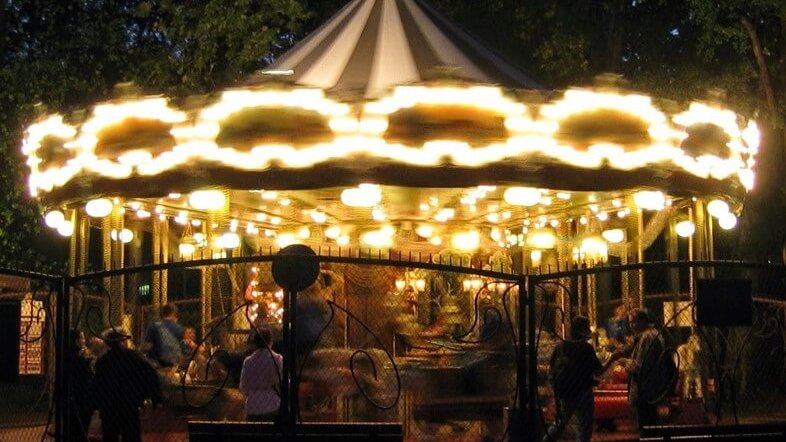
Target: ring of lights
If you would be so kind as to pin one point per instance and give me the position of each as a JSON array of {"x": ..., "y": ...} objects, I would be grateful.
[{"x": 583, "y": 140}]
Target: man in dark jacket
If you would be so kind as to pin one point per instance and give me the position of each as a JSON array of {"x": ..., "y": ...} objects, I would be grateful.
[
  {"x": 123, "y": 381},
  {"x": 573, "y": 369}
]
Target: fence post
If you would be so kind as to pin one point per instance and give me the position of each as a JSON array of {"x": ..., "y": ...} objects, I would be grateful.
[
  {"x": 289, "y": 390},
  {"x": 62, "y": 328}
]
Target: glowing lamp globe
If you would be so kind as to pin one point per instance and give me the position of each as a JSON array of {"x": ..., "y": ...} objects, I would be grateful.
[
  {"x": 207, "y": 199},
  {"x": 365, "y": 195},
  {"x": 649, "y": 200},
  {"x": 54, "y": 218},
  {"x": 98, "y": 208},
  {"x": 685, "y": 228},
  {"x": 125, "y": 236},
  {"x": 717, "y": 208},
  {"x": 522, "y": 196},
  {"x": 727, "y": 221},
  {"x": 466, "y": 241},
  {"x": 614, "y": 236},
  {"x": 542, "y": 239},
  {"x": 186, "y": 249},
  {"x": 66, "y": 228}
]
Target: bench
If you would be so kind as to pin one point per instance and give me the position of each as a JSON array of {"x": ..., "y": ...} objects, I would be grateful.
[
  {"x": 753, "y": 432},
  {"x": 205, "y": 431}
]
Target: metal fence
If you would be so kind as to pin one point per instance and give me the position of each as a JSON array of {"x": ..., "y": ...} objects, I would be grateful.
[{"x": 449, "y": 351}]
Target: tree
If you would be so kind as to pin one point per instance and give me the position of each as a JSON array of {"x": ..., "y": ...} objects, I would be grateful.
[{"x": 67, "y": 54}]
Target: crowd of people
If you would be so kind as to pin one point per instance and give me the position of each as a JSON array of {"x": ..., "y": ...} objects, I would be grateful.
[
  {"x": 111, "y": 376},
  {"x": 635, "y": 345}
]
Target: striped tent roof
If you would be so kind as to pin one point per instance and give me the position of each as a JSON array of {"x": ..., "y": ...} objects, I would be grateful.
[{"x": 371, "y": 45}]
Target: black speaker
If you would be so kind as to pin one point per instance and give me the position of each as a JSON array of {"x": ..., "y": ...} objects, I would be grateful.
[
  {"x": 9, "y": 340},
  {"x": 724, "y": 302}
]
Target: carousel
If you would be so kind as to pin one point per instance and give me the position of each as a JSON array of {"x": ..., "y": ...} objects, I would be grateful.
[{"x": 390, "y": 131}]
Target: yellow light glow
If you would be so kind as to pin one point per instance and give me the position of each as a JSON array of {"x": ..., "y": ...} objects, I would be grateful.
[
  {"x": 304, "y": 232},
  {"x": 99, "y": 208},
  {"x": 228, "y": 240},
  {"x": 342, "y": 240},
  {"x": 685, "y": 228},
  {"x": 649, "y": 200},
  {"x": 318, "y": 217},
  {"x": 207, "y": 199},
  {"x": 366, "y": 196},
  {"x": 333, "y": 232},
  {"x": 425, "y": 231},
  {"x": 400, "y": 284},
  {"x": 54, "y": 218},
  {"x": 594, "y": 249},
  {"x": 66, "y": 228},
  {"x": 126, "y": 236},
  {"x": 522, "y": 196},
  {"x": 727, "y": 221},
  {"x": 435, "y": 241},
  {"x": 420, "y": 284},
  {"x": 718, "y": 208},
  {"x": 614, "y": 236},
  {"x": 542, "y": 238},
  {"x": 377, "y": 238},
  {"x": 466, "y": 241},
  {"x": 536, "y": 257}
]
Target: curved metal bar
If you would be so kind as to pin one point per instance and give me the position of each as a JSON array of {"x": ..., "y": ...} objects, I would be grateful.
[{"x": 44, "y": 311}]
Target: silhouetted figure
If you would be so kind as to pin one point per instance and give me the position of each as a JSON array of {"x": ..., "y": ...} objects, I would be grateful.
[
  {"x": 123, "y": 381},
  {"x": 81, "y": 380},
  {"x": 572, "y": 371}
]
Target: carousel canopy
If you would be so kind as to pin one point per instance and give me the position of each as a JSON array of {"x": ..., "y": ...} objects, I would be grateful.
[{"x": 370, "y": 46}]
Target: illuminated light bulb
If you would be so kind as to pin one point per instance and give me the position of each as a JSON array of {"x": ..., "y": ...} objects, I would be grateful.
[
  {"x": 614, "y": 236},
  {"x": 182, "y": 217},
  {"x": 603, "y": 216},
  {"x": 506, "y": 215},
  {"x": 435, "y": 241},
  {"x": 285, "y": 239},
  {"x": 269, "y": 233},
  {"x": 649, "y": 200},
  {"x": 251, "y": 229},
  {"x": 496, "y": 235},
  {"x": 546, "y": 200},
  {"x": 126, "y": 236},
  {"x": 135, "y": 205},
  {"x": 174, "y": 195},
  {"x": 65, "y": 228},
  {"x": 622, "y": 214},
  {"x": 400, "y": 284},
  {"x": 583, "y": 220},
  {"x": 186, "y": 249},
  {"x": 718, "y": 208},
  {"x": 563, "y": 195},
  {"x": 342, "y": 240},
  {"x": 468, "y": 200},
  {"x": 255, "y": 269},
  {"x": 304, "y": 232},
  {"x": 466, "y": 241},
  {"x": 433, "y": 201},
  {"x": 424, "y": 207},
  {"x": 113, "y": 235},
  {"x": 228, "y": 240},
  {"x": 54, "y": 218},
  {"x": 162, "y": 217},
  {"x": 377, "y": 238},
  {"x": 318, "y": 217},
  {"x": 269, "y": 196},
  {"x": 554, "y": 223},
  {"x": 466, "y": 285},
  {"x": 261, "y": 217},
  {"x": 143, "y": 214},
  {"x": 727, "y": 221},
  {"x": 522, "y": 196},
  {"x": 233, "y": 224},
  {"x": 493, "y": 217},
  {"x": 425, "y": 231},
  {"x": 159, "y": 209},
  {"x": 275, "y": 220},
  {"x": 477, "y": 283},
  {"x": 196, "y": 222},
  {"x": 542, "y": 239},
  {"x": 420, "y": 284},
  {"x": 99, "y": 208},
  {"x": 285, "y": 202},
  {"x": 536, "y": 256},
  {"x": 378, "y": 214},
  {"x": 512, "y": 239},
  {"x": 199, "y": 237},
  {"x": 333, "y": 232},
  {"x": 616, "y": 203},
  {"x": 685, "y": 228},
  {"x": 364, "y": 196},
  {"x": 594, "y": 208},
  {"x": 594, "y": 248},
  {"x": 207, "y": 199}
]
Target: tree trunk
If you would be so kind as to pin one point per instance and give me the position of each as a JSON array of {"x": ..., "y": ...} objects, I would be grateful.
[{"x": 762, "y": 231}]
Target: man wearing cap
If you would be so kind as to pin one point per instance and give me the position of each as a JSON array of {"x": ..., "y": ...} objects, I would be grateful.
[
  {"x": 123, "y": 381},
  {"x": 574, "y": 366}
]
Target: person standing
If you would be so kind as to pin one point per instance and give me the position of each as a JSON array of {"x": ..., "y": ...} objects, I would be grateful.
[
  {"x": 123, "y": 381},
  {"x": 163, "y": 339},
  {"x": 260, "y": 378},
  {"x": 81, "y": 379},
  {"x": 572, "y": 371},
  {"x": 649, "y": 369}
]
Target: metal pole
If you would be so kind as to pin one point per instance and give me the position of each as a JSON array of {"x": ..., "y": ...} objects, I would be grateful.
[
  {"x": 532, "y": 365},
  {"x": 62, "y": 369},
  {"x": 289, "y": 399}
]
